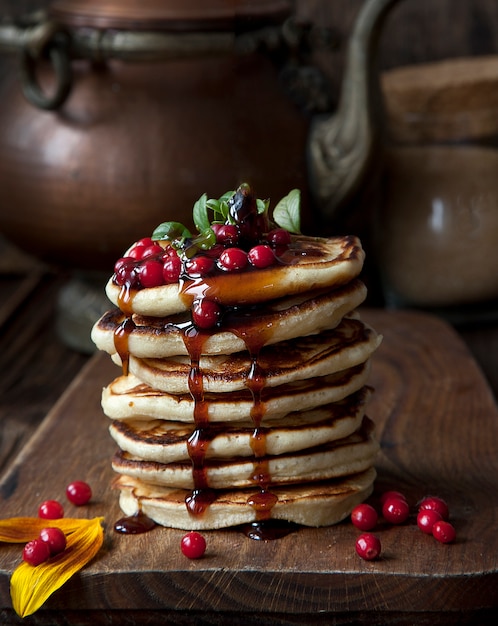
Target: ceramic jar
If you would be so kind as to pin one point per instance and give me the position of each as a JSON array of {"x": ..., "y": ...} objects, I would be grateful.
[{"x": 436, "y": 231}]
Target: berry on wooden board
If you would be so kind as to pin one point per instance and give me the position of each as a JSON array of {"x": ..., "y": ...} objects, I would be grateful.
[
  {"x": 79, "y": 492},
  {"x": 364, "y": 516},
  {"x": 444, "y": 532},
  {"x": 50, "y": 509},
  {"x": 395, "y": 510},
  {"x": 193, "y": 545},
  {"x": 368, "y": 546},
  {"x": 436, "y": 504},
  {"x": 426, "y": 518}
]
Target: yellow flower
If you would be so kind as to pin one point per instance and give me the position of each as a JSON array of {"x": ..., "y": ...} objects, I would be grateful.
[{"x": 31, "y": 586}]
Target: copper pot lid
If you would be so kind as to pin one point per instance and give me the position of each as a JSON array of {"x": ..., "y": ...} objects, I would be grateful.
[{"x": 169, "y": 15}]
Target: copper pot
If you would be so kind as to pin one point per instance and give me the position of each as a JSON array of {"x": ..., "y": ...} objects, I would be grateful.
[
  {"x": 131, "y": 110},
  {"x": 148, "y": 105}
]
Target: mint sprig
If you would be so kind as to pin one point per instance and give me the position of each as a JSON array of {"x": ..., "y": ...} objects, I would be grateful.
[{"x": 209, "y": 211}]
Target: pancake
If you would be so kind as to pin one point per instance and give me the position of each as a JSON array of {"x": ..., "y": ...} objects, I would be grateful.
[
  {"x": 307, "y": 264},
  {"x": 350, "y": 455},
  {"x": 314, "y": 504},
  {"x": 128, "y": 397},
  {"x": 350, "y": 344},
  {"x": 167, "y": 442},
  {"x": 287, "y": 318}
]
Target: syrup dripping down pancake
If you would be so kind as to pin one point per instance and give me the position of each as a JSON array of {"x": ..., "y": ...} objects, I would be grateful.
[
  {"x": 313, "y": 504},
  {"x": 350, "y": 344},
  {"x": 167, "y": 442},
  {"x": 128, "y": 397},
  {"x": 350, "y": 455},
  {"x": 280, "y": 320},
  {"x": 309, "y": 263}
]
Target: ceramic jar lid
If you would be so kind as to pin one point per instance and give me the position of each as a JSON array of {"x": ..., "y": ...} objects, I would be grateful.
[{"x": 445, "y": 101}]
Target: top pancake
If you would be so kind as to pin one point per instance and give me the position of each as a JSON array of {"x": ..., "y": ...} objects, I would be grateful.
[{"x": 309, "y": 263}]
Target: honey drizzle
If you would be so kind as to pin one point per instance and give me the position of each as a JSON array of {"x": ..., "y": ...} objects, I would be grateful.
[
  {"x": 248, "y": 326},
  {"x": 121, "y": 341},
  {"x": 255, "y": 336},
  {"x": 201, "y": 496}
]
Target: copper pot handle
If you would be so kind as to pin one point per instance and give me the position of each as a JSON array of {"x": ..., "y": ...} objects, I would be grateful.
[
  {"x": 342, "y": 146},
  {"x": 40, "y": 38},
  {"x": 57, "y": 52}
]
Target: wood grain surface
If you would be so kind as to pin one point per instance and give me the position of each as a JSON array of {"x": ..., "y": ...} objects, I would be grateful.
[
  {"x": 34, "y": 366},
  {"x": 438, "y": 427}
]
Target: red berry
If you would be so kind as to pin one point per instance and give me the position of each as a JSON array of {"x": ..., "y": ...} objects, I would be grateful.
[
  {"x": 122, "y": 262},
  {"x": 227, "y": 234},
  {"x": 364, "y": 516},
  {"x": 193, "y": 545},
  {"x": 153, "y": 250},
  {"x": 51, "y": 509},
  {"x": 368, "y": 546},
  {"x": 168, "y": 251},
  {"x": 426, "y": 519},
  {"x": 199, "y": 266},
  {"x": 136, "y": 252},
  {"x": 279, "y": 237},
  {"x": 78, "y": 492},
  {"x": 444, "y": 532},
  {"x": 233, "y": 259},
  {"x": 54, "y": 538},
  {"x": 36, "y": 552},
  {"x": 395, "y": 510},
  {"x": 215, "y": 251},
  {"x": 127, "y": 274},
  {"x": 145, "y": 242},
  {"x": 151, "y": 273},
  {"x": 172, "y": 268},
  {"x": 436, "y": 504},
  {"x": 205, "y": 313},
  {"x": 391, "y": 494},
  {"x": 261, "y": 256}
]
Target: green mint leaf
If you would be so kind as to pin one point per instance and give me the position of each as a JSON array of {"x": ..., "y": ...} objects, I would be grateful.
[
  {"x": 206, "y": 239},
  {"x": 262, "y": 205},
  {"x": 200, "y": 214},
  {"x": 226, "y": 196},
  {"x": 170, "y": 231},
  {"x": 287, "y": 212},
  {"x": 224, "y": 209}
]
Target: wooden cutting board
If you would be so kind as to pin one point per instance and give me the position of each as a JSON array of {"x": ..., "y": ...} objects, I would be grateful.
[{"x": 438, "y": 427}]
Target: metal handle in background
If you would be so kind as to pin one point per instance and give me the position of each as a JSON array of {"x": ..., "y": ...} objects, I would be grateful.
[
  {"x": 57, "y": 53},
  {"x": 40, "y": 38},
  {"x": 342, "y": 146}
]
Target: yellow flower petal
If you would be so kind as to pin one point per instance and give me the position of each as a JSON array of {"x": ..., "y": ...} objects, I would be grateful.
[
  {"x": 31, "y": 586},
  {"x": 23, "y": 529}
]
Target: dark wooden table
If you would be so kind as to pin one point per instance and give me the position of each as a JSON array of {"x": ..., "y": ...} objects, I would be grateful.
[{"x": 438, "y": 425}]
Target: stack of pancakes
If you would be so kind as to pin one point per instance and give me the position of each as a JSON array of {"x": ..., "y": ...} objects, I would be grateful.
[{"x": 262, "y": 417}]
